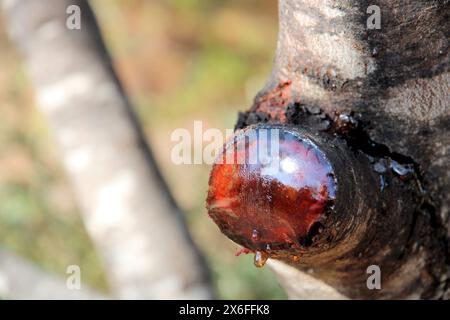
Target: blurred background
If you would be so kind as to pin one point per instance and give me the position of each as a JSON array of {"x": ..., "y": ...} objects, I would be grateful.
[{"x": 179, "y": 61}]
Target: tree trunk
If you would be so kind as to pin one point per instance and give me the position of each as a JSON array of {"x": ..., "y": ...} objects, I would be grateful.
[
  {"x": 125, "y": 204},
  {"x": 375, "y": 102},
  {"x": 20, "y": 279}
]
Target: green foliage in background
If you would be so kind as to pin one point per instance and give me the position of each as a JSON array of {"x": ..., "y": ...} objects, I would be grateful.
[{"x": 180, "y": 61}]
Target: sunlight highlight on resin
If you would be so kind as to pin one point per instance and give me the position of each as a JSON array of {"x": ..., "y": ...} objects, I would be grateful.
[{"x": 269, "y": 210}]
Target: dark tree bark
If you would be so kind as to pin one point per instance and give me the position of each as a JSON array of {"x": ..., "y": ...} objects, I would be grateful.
[{"x": 379, "y": 100}]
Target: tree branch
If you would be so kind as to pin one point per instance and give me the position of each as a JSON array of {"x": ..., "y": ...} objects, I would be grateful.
[{"x": 372, "y": 104}]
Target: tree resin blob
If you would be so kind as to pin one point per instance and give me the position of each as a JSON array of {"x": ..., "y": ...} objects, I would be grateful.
[
  {"x": 268, "y": 189},
  {"x": 260, "y": 258}
]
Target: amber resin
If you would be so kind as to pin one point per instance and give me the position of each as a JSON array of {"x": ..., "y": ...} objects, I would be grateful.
[{"x": 274, "y": 203}]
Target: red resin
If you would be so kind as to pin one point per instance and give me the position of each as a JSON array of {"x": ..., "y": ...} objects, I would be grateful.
[
  {"x": 274, "y": 210},
  {"x": 242, "y": 251}
]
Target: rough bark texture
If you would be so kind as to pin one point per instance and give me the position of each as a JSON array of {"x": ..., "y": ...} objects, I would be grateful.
[
  {"x": 384, "y": 95},
  {"x": 125, "y": 204}
]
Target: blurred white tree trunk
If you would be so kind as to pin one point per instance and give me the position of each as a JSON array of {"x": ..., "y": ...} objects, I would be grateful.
[
  {"x": 302, "y": 286},
  {"x": 20, "y": 279},
  {"x": 126, "y": 207}
]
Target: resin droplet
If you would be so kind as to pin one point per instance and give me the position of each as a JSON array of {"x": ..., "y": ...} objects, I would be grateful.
[
  {"x": 242, "y": 251},
  {"x": 275, "y": 200},
  {"x": 380, "y": 166},
  {"x": 401, "y": 169},
  {"x": 260, "y": 258}
]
